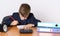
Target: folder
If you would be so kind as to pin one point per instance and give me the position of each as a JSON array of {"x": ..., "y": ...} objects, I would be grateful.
[{"x": 48, "y": 27}]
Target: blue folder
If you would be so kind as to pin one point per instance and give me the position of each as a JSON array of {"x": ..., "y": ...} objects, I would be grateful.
[{"x": 48, "y": 27}]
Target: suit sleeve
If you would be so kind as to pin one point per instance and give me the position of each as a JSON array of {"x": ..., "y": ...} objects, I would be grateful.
[
  {"x": 6, "y": 20},
  {"x": 33, "y": 20}
]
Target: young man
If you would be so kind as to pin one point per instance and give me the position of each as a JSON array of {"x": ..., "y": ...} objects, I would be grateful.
[{"x": 23, "y": 17}]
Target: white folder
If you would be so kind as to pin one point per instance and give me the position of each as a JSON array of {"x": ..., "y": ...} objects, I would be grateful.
[{"x": 48, "y": 27}]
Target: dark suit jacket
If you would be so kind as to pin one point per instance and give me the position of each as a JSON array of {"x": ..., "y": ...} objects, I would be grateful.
[{"x": 30, "y": 20}]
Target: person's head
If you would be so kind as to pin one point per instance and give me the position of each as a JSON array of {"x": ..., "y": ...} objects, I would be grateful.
[{"x": 24, "y": 10}]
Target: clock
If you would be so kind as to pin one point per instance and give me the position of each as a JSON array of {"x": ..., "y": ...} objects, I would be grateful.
[{"x": 3, "y": 28}]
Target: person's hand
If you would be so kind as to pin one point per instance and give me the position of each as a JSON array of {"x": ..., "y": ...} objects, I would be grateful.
[
  {"x": 28, "y": 26},
  {"x": 15, "y": 22}
]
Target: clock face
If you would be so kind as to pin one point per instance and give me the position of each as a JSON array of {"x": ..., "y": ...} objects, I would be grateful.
[{"x": 5, "y": 28}]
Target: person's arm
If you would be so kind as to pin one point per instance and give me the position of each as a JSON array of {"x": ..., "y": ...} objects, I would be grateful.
[
  {"x": 33, "y": 20},
  {"x": 6, "y": 20},
  {"x": 9, "y": 20}
]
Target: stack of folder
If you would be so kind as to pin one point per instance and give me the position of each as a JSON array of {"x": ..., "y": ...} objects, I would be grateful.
[{"x": 48, "y": 27}]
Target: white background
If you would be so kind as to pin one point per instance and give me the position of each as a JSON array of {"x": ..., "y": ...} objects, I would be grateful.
[{"x": 44, "y": 10}]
